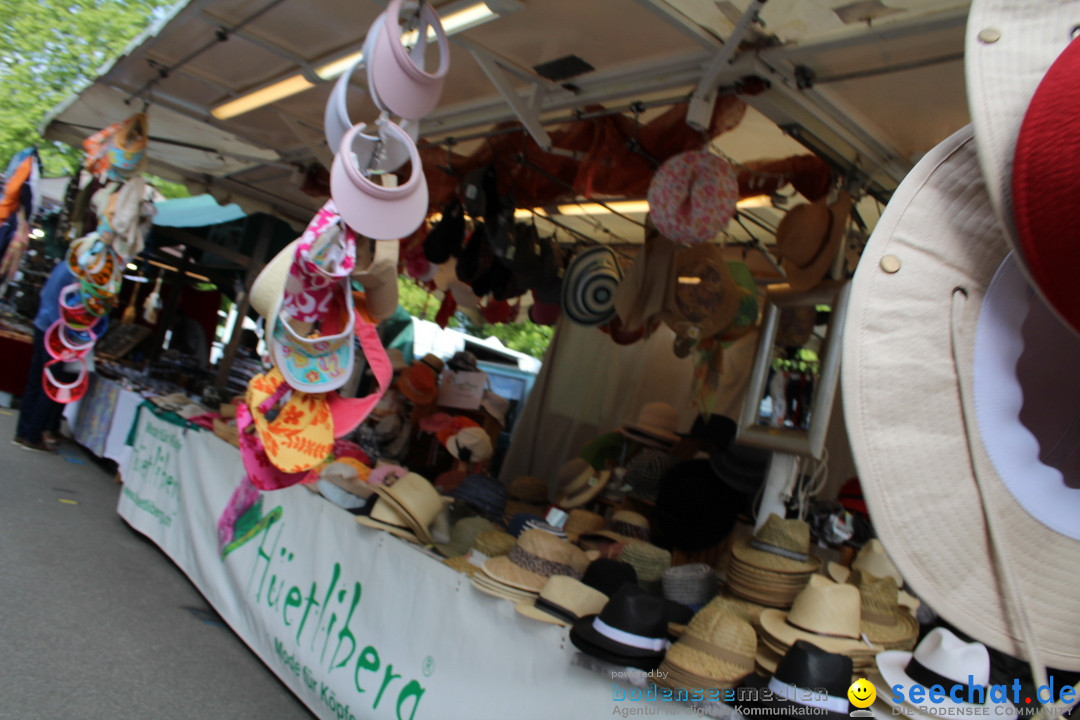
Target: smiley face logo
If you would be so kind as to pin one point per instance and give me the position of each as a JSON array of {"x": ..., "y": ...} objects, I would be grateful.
[{"x": 862, "y": 693}]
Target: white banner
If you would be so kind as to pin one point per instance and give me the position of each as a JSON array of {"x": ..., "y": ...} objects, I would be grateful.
[{"x": 356, "y": 622}]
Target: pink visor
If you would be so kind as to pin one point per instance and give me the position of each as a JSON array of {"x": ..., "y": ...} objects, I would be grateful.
[
  {"x": 397, "y": 76},
  {"x": 64, "y": 392},
  {"x": 63, "y": 343},
  {"x": 372, "y": 209}
]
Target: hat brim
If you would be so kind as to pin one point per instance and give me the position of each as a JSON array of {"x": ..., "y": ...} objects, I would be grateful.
[
  {"x": 403, "y": 533},
  {"x": 940, "y": 224},
  {"x": 773, "y": 623},
  {"x": 501, "y": 569},
  {"x": 745, "y": 553},
  {"x": 421, "y": 532},
  {"x": 496, "y": 589},
  {"x": 462, "y": 564},
  {"x": 528, "y": 609}
]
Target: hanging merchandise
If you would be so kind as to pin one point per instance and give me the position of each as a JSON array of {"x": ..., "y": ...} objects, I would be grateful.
[
  {"x": 127, "y": 150},
  {"x": 809, "y": 238},
  {"x": 942, "y": 283},
  {"x": 152, "y": 305},
  {"x": 704, "y": 296},
  {"x": 692, "y": 196},
  {"x": 588, "y": 289},
  {"x": 397, "y": 79}
]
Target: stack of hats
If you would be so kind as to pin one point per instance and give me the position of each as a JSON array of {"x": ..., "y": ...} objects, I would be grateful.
[
  {"x": 463, "y": 535},
  {"x": 516, "y": 524},
  {"x": 884, "y": 622},
  {"x": 691, "y": 585},
  {"x": 406, "y": 508},
  {"x": 484, "y": 494},
  {"x": 648, "y": 561},
  {"x": 631, "y": 630},
  {"x": 624, "y": 526},
  {"x": 538, "y": 524},
  {"x": 873, "y": 559},
  {"x": 644, "y": 472},
  {"x": 716, "y": 651},
  {"x": 581, "y": 522},
  {"x": 527, "y": 494},
  {"x": 522, "y": 573},
  {"x": 825, "y": 614},
  {"x": 729, "y": 605},
  {"x": 941, "y": 659},
  {"x": 488, "y": 544},
  {"x": 563, "y": 601},
  {"x": 775, "y": 565}
]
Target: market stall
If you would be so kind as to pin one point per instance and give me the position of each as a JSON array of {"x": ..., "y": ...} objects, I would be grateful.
[{"x": 682, "y": 502}]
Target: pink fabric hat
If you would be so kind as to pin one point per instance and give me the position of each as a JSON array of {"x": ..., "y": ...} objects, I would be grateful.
[
  {"x": 374, "y": 210},
  {"x": 692, "y": 196},
  {"x": 400, "y": 83},
  {"x": 65, "y": 392}
]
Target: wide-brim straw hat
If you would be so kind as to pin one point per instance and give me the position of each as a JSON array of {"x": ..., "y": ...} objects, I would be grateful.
[
  {"x": 389, "y": 517},
  {"x": 535, "y": 557},
  {"x": 416, "y": 501},
  {"x": 563, "y": 601},
  {"x": 487, "y": 585},
  {"x": 462, "y": 564},
  {"x": 718, "y": 647},
  {"x": 975, "y": 521},
  {"x": 649, "y": 562},
  {"x": 882, "y": 621},
  {"x": 825, "y": 614},
  {"x": 782, "y": 546}
]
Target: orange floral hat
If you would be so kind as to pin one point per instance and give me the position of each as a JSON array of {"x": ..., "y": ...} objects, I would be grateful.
[{"x": 295, "y": 428}]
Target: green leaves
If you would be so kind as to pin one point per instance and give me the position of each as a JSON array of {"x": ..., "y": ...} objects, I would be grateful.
[{"x": 50, "y": 50}]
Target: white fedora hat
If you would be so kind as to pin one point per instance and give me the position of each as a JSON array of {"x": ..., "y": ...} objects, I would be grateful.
[
  {"x": 954, "y": 374},
  {"x": 941, "y": 659}
]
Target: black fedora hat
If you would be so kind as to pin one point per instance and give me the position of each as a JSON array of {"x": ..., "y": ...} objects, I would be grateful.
[
  {"x": 631, "y": 630},
  {"x": 741, "y": 467},
  {"x": 446, "y": 237},
  {"x": 607, "y": 575},
  {"x": 716, "y": 431},
  {"x": 694, "y": 509},
  {"x": 807, "y": 677}
]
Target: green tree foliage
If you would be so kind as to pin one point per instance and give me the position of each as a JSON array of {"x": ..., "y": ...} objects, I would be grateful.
[
  {"x": 50, "y": 50},
  {"x": 525, "y": 337}
]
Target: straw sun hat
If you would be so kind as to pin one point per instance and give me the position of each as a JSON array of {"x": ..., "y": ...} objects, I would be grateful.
[
  {"x": 808, "y": 239},
  {"x": 825, "y": 614},
  {"x": 563, "y": 601},
  {"x": 882, "y": 620},
  {"x": 716, "y": 651},
  {"x": 872, "y": 559},
  {"x": 407, "y": 508},
  {"x": 648, "y": 561},
  {"x": 981, "y": 521},
  {"x": 536, "y": 557}
]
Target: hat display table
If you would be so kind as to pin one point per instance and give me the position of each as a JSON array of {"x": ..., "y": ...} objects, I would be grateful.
[
  {"x": 356, "y": 622},
  {"x": 101, "y": 419}
]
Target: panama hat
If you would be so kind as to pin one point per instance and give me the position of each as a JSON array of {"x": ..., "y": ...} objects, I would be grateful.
[
  {"x": 588, "y": 288},
  {"x": 975, "y": 521},
  {"x": 536, "y": 556},
  {"x": 782, "y": 546},
  {"x": 717, "y": 650},
  {"x": 372, "y": 209},
  {"x": 872, "y": 559},
  {"x": 1020, "y": 65},
  {"x": 386, "y": 516},
  {"x": 808, "y": 239},
  {"x": 825, "y": 614},
  {"x": 692, "y": 196},
  {"x": 655, "y": 426},
  {"x": 414, "y": 500},
  {"x": 563, "y": 601},
  {"x": 940, "y": 659}
]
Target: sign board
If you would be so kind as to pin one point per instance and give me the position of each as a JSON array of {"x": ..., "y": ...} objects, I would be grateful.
[
  {"x": 357, "y": 623},
  {"x": 464, "y": 390}
]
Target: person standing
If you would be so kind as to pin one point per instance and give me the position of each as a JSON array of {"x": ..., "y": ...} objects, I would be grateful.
[{"x": 37, "y": 411}]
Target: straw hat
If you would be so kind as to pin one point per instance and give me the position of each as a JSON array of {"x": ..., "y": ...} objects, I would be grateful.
[
  {"x": 691, "y": 585},
  {"x": 882, "y": 620},
  {"x": 535, "y": 557},
  {"x": 624, "y": 526},
  {"x": 705, "y": 297},
  {"x": 488, "y": 586},
  {"x": 648, "y": 561},
  {"x": 655, "y": 426},
  {"x": 782, "y": 546},
  {"x": 494, "y": 543},
  {"x": 463, "y": 535},
  {"x": 582, "y": 487},
  {"x": 387, "y": 516},
  {"x": 717, "y": 650},
  {"x": 581, "y": 522},
  {"x": 808, "y": 239},
  {"x": 269, "y": 284},
  {"x": 825, "y": 614},
  {"x": 562, "y": 601},
  {"x": 415, "y": 500},
  {"x": 983, "y": 506},
  {"x": 871, "y": 558}
]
